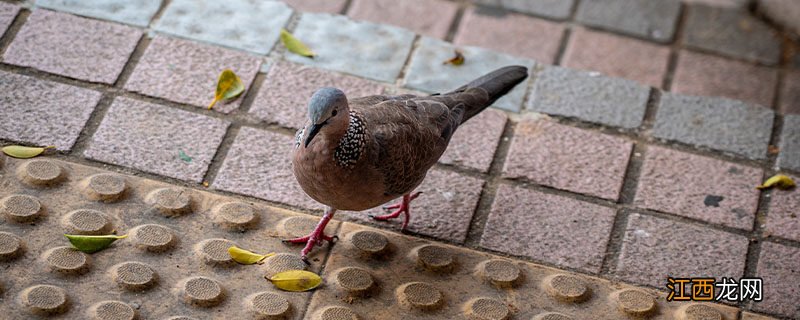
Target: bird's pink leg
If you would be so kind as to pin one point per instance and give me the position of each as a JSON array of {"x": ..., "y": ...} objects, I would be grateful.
[
  {"x": 402, "y": 207},
  {"x": 316, "y": 237}
]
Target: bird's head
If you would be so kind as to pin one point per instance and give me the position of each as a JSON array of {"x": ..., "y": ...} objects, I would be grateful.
[{"x": 328, "y": 107}]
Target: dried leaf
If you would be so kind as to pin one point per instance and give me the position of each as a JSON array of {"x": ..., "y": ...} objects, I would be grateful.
[
  {"x": 184, "y": 157},
  {"x": 779, "y": 181},
  {"x": 457, "y": 60},
  {"x": 92, "y": 244},
  {"x": 205, "y": 184},
  {"x": 229, "y": 86},
  {"x": 296, "y": 280},
  {"x": 246, "y": 257},
  {"x": 295, "y": 45},
  {"x": 23, "y": 152}
]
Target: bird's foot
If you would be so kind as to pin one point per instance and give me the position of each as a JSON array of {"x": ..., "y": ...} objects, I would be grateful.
[
  {"x": 316, "y": 237},
  {"x": 402, "y": 207}
]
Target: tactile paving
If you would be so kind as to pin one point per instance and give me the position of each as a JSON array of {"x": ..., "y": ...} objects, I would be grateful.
[{"x": 174, "y": 264}]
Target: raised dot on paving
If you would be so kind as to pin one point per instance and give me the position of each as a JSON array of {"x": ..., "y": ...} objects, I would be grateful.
[
  {"x": 486, "y": 309},
  {"x": 268, "y": 305},
  {"x": 170, "y": 201},
  {"x": 202, "y": 291},
  {"x": 369, "y": 243},
  {"x": 501, "y": 273},
  {"x": 112, "y": 310},
  {"x": 153, "y": 237},
  {"x": 354, "y": 280},
  {"x": 551, "y": 316},
  {"x": 134, "y": 276},
  {"x": 45, "y": 299},
  {"x": 435, "y": 258},
  {"x": 297, "y": 226},
  {"x": 10, "y": 246},
  {"x": 418, "y": 295},
  {"x": 40, "y": 172},
  {"x": 634, "y": 302},
  {"x": 86, "y": 222},
  {"x": 282, "y": 262},
  {"x": 104, "y": 187},
  {"x": 21, "y": 208},
  {"x": 698, "y": 311},
  {"x": 67, "y": 260},
  {"x": 567, "y": 288},
  {"x": 335, "y": 313},
  {"x": 235, "y": 216},
  {"x": 215, "y": 252}
]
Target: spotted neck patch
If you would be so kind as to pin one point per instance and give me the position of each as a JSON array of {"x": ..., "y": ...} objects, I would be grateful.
[{"x": 349, "y": 149}]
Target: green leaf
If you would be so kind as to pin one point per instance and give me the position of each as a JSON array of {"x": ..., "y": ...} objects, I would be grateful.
[
  {"x": 23, "y": 152},
  {"x": 295, "y": 45},
  {"x": 92, "y": 244},
  {"x": 246, "y": 257},
  {"x": 296, "y": 280},
  {"x": 779, "y": 181},
  {"x": 229, "y": 86},
  {"x": 184, "y": 157}
]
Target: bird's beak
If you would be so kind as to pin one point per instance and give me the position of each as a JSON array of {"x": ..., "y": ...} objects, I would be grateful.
[{"x": 313, "y": 132}]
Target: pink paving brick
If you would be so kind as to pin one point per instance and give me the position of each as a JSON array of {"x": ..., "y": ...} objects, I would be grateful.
[
  {"x": 43, "y": 113},
  {"x": 150, "y": 137},
  {"x": 779, "y": 267},
  {"x": 548, "y": 228},
  {"x": 568, "y": 158},
  {"x": 443, "y": 210},
  {"x": 706, "y": 75},
  {"x": 783, "y": 219},
  {"x": 426, "y": 17},
  {"x": 72, "y": 46},
  {"x": 790, "y": 93},
  {"x": 655, "y": 248},
  {"x": 698, "y": 187},
  {"x": 475, "y": 142},
  {"x": 504, "y": 31},
  {"x": 7, "y": 13},
  {"x": 283, "y": 97},
  {"x": 616, "y": 56},
  {"x": 259, "y": 164},
  {"x": 187, "y": 71},
  {"x": 329, "y": 6}
]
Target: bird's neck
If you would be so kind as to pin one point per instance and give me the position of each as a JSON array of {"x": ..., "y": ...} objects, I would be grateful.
[{"x": 352, "y": 142}]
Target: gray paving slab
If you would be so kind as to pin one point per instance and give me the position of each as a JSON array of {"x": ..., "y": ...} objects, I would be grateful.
[
  {"x": 135, "y": 12},
  {"x": 589, "y": 96},
  {"x": 717, "y": 123},
  {"x": 428, "y": 73},
  {"x": 789, "y": 156},
  {"x": 366, "y": 49},
  {"x": 557, "y": 9},
  {"x": 241, "y": 24},
  {"x": 654, "y": 20},
  {"x": 7, "y": 13}
]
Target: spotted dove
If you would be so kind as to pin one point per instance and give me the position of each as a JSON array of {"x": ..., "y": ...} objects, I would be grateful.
[{"x": 358, "y": 154}]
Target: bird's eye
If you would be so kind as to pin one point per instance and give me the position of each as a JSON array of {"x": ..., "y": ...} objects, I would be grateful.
[{"x": 333, "y": 114}]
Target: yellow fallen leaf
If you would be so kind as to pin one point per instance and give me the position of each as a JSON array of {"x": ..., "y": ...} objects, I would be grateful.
[
  {"x": 457, "y": 60},
  {"x": 92, "y": 244},
  {"x": 296, "y": 280},
  {"x": 229, "y": 86},
  {"x": 295, "y": 45},
  {"x": 779, "y": 181},
  {"x": 23, "y": 152},
  {"x": 246, "y": 257}
]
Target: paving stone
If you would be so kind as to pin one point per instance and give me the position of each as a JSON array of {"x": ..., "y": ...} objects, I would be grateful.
[
  {"x": 241, "y": 24},
  {"x": 568, "y": 158},
  {"x": 779, "y": 267},
  {"x": 475, "y": 142},
  {"x": 790, "y": 93},
  {"x": 589, "y": 96},
  {"x": 698, "y": 187},
  {"x": 426, "y": 71},
  {"x": 150, "y": 137},
  {"x": 731, "y": 32},
  {"x": 789, "y": 156},
  {"x": 555, "y": 9},
  {"x": 783, "y": 219},
  {"x": 549, "y": 228},
  {"x": 783, "y": 12},
  {"x": 72, "y": 46},
  {"x": 284, "y": 95},
  {"x": 135, "y": 12},
  {"x": 654, "y": 20},
  {"x": 755, "y": 316},
  {"x": 7, "y": 13},
  {"x": 329, "y": 6},
  {"x": 365, "y": 49},
  {"x": 258, "y": 164},
  {"x": 616, "y": 56},
  {"x": 655, "y": 248},
  {"x": 443, "y": 210},
  {"x": 718, "y": 123},
  {"x": 35, "y": 111},
  {"x": 719, "y": 3},
  {"x": 187, "y": 71},
  {"x": 502, "y": 30},
  {"x": 706, "y": 75},
  {"x": 430, "y": 17}
]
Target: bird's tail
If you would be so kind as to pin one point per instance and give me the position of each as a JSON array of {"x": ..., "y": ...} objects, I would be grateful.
[{"x": 497, "y": 83}]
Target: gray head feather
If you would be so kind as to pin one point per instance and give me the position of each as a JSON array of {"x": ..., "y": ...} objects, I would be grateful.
[{"x": 324, "y": 102}]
